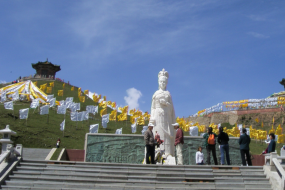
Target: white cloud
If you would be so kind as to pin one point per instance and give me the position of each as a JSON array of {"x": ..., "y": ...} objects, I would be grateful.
[
  {"x": 3, "y": 82},
  {"x": 133, "y": 98},
  {"x": 258, "y": 35}
]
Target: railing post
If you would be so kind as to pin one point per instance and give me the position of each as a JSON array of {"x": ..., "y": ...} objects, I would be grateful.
[
  {"x": 282, "y": 182},
  {"x": 272, "y": 155}
]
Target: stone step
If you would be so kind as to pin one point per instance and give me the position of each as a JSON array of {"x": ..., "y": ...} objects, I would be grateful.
[
  {"x": 59, "y": 185},
  {"x": 98, "y": 168},
  {"x": 116, "y": 178},
  {"x": 142, "y": 166},
  {"x": 127, "y": 174},
  {"x": 113, "y": 168}
]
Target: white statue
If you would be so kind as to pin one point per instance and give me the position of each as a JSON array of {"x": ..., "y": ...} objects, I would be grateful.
[{"x": 163, "y": 115}]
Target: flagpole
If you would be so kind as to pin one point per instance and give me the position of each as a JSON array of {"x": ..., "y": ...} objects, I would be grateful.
[
  {"x": 76, "y": 120},
  {"x": 48, "y": 117},
  {"x": 27, "y": 119}
]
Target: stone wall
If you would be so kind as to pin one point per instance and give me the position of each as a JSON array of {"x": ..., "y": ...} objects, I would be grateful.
[
  {"x": 242, "y": 116},
  {"x": 130, "y": 149}
]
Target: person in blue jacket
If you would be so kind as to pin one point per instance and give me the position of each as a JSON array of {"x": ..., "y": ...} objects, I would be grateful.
[
  {"x": 272, "y": 144},
  {"x": 244, "y": 141}
]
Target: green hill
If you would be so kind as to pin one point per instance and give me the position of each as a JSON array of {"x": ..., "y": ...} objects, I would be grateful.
[{"x": 40, "y": 134}]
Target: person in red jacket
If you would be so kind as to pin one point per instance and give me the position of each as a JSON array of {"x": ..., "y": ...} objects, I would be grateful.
[
  {"x": 158, "y": 140},
  {"x": 179, "y": 141}
]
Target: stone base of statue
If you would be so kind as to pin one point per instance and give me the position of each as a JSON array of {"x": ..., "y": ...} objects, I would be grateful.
[
  {"x": 112, "y": 148},
  {"x": 161, "y": 158}
]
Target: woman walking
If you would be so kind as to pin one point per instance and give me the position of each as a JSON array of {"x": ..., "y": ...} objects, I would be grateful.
[
  {"x": 223, "y": 140},
  {"x": 244, "y": 141}
]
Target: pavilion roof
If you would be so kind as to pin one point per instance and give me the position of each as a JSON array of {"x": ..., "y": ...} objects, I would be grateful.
[{"x": 56, "y": 67}]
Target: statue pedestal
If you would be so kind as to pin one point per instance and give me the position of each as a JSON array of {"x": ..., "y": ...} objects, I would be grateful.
[{"x": 131, "y": 149}]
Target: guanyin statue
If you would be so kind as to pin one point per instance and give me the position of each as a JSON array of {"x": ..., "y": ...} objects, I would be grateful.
[{"x": 163, "y": 114}]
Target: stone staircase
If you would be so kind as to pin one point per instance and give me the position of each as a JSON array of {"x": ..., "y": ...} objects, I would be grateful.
[{"x": 35, "y": 174}]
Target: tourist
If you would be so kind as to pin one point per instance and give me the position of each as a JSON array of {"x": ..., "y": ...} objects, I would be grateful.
[
  {"x": 179, "y": 141},
  {"x": 149, "y": 144},
  {"x": 272, "y": 144},
  {"x": 157, "y": 138},
  {"x": 244, "y": 141},
  {"x": 199, "y": 156},
  {"x": 210, "y": 144},
  {"x": 58, "y": 143},
  {"x": 223, "y": 140}
]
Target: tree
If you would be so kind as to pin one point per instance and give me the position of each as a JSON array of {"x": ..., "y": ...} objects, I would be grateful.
[{"x": 283, "y": 82}]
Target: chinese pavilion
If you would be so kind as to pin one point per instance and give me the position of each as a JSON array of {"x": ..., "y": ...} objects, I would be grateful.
[{"x": 46, "y": 69}]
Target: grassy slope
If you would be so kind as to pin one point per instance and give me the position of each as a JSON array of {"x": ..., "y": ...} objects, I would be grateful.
[{"x": 40, "y": 134}]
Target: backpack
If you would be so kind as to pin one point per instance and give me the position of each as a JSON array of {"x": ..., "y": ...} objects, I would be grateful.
[{"x": 211, "y": 139}]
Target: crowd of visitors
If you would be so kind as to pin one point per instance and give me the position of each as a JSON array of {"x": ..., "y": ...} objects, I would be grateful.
[{"x": 209, "y": 144}]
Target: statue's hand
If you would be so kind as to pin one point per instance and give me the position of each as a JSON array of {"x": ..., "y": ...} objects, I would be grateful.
[{"x": 162, "y": 101}]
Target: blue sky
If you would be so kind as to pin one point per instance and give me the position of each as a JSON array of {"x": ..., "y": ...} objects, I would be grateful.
[{"x": 214, "y": 51}]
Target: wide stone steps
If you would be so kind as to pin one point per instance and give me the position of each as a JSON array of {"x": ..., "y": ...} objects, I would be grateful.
[{"x": 32, "y": 174}]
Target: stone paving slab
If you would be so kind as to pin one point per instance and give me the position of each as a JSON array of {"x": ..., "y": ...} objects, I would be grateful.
[{"x": 35, "y": 153}]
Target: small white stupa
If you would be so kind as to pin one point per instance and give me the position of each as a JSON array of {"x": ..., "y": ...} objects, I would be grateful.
[{"x": 6, "y": 139}]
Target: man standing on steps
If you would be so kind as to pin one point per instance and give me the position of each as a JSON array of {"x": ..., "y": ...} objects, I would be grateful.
[
  {"x": 149, "y": 144},
  {"x": 179, "y": 141}
]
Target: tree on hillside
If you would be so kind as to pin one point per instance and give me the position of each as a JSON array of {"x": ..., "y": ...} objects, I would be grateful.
[{"x": 283, "y": 82}]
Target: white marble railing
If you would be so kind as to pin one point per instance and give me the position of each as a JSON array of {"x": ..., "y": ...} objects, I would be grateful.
[
  {"x": 3, "y": 156},
  {"x": 280, "y": 171}
]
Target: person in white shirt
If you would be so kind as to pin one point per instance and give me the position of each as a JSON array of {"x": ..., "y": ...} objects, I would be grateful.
[{"x": 199, "y": 156}]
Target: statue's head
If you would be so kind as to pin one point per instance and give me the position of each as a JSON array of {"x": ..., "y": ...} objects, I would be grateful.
[{"x": 163, "y": 79}]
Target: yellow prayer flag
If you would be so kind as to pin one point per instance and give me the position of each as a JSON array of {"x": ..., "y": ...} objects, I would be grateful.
[
  {"x": 140, "y": 120},
  {"x": 86, "y": 92},
  {"x": 72, "y": 88},
  {"x": 132, "y": 111},
  {"x": 51, "y": 84},
  {"x": 103, "y": 104},
  {"x": 49, "y": 89},
  {"x": 113, "y": 104},
  {"x": 103, "y": 112},
  {"x": 132, "y": 119},
  {"x": 63, "y": 85},
  {"x": 79, "y": 89},
  {"x": 109, "y": 103},
  {"x": 123, "y": 116},
  {"x": 124, "y": 109},
  {"x": 79, "y": 93},
  {"x": 60, "y": 92},
  {"x": 28, "y": 97},
  {"x": 138, "y": 113},
  {"x": 36, "y": 83},
  {"x": 113, "y": 115},
  {"x": 104, "y": 98},
  {"x": 273, "y": 120},
  {"x": 257, "y": 120},
  {"x": 262, "y": 124},
  {"x": 278, "y": 130},
  {"x": 99, "y": 96},
  {"x": 82, "y": 98},
  {"x": 43, "y": 87},
  {"x": 95, "y": 98},
  {"x": 280, "y": 139}
]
